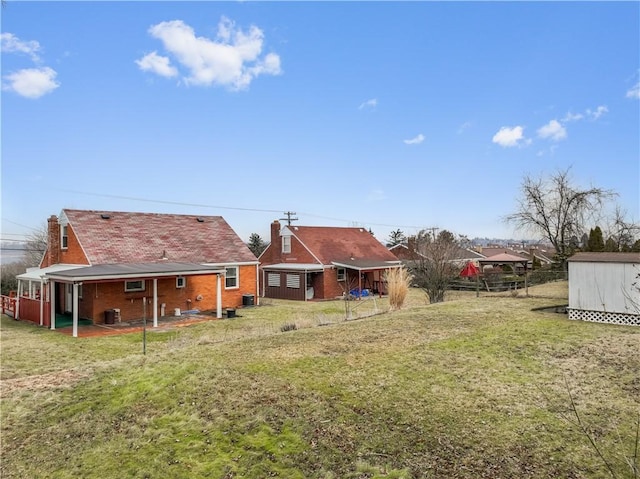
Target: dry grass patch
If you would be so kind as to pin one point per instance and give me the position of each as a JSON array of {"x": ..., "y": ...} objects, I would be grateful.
[{"x": 453, "y": 389}]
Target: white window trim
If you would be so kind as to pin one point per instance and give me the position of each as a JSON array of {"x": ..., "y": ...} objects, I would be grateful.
[
  {"x": 237, "y": 277},
  {"x": 133, "y": 290},
  {"x": 286, "y": 244},
  {"x": 64, "y": 236},
  {"x": 341, "y": 273},
  {"x": 181, "y": 282}
]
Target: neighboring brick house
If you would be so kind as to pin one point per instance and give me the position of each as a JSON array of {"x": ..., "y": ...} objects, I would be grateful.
[
  {"x": 409, "y": 255},
  {"x": 320, "y": 262},
  {"x": 141, "y": 265}
]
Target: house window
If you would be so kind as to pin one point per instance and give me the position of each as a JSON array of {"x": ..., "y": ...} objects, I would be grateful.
[
  {"x": 79, "y": 291},
  {"x": 131, "y": 286},
  {"x": 64, "y": 238},
  {"x": 342, "y": 274},
  {"x": 273, "y": 279},
  {"x": 181, "y": 282},
  {"x": 231, "y": 277},
  {"x": 286, "y": 244},
  {"x": 293, "y": 281}
]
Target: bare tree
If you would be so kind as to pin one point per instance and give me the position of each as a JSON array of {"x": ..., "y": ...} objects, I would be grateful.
[
  {"x": 558, "y": 210},
  {"x": 432, "y": 266},
  {"x": 622, "y": 231},
  {"x": 36, "y": 246}
]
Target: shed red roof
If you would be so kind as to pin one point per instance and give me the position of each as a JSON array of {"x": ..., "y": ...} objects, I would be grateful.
[
  {"x": 330, "y": 244},
  {"x": 110, "y": 237}
]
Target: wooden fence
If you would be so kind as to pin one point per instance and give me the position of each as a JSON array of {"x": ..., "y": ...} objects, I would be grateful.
[{"x": 8, "y": 305}]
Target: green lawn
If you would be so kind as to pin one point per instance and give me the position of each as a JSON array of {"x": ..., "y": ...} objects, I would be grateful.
[{"x": 469, "y": 388}]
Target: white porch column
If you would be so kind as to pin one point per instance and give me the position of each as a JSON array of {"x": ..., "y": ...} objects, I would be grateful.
[
  {"x": 52, "y": 295},
  {"x": 75, "y": 310},
  {"x": 155, "y": 302},
  {"x": 218, "y": 297},
  {"x": 41, "y": 302},
  {"x": 17, "y": 311}
]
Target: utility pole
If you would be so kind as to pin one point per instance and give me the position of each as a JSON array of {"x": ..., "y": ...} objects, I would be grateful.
[
  {"x": 433, "y": 232},
  {"x": 289, "y": 218}
]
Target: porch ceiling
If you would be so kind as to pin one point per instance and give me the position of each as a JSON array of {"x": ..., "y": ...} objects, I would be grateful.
[
  {"x": 133, "y": 271},
  {"x": 366, "y": 265}
]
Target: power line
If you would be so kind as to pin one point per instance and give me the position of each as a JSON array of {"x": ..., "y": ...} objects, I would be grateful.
[{"x": 237, "y": 208}]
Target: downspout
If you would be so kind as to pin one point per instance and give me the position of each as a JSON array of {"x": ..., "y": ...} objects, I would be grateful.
[
  {"x": 257, "y": 284},
  {"x": 155, "y": 302},
  {"x": 218, "y": 297}
]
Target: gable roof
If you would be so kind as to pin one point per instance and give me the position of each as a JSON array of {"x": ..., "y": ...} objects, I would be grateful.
[
  {"x": 338, "y": 244},
  {"x": 605, "y": 257},
  {"x": 115, "y": 237},
  {"x": 504, "y": 258}
]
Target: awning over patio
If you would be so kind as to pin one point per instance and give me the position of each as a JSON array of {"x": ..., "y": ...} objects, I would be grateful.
[
  {"x": 366, "y": 265},
  {"x": 307, "y": 267},
  {"x": 38, "y": 274},
  {"x": 105, "y": 272}
]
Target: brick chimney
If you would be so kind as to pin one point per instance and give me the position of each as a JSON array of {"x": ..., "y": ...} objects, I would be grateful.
[
  {"x": 53, "y": 241},
  {"x": 276, "y": 241}
]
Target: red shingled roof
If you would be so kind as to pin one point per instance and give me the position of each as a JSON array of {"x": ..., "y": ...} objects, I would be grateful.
[
  {"x": 341, "y": 244},
  {"x": 110, "y": 237}
]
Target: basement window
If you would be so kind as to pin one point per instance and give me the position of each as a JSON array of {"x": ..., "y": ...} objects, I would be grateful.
[
  {"x": 132, "y": 286},
  {"x": 181, "y": 282}
]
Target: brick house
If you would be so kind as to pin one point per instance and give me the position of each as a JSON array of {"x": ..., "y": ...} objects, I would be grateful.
[
  {"x": 319, "y": 262},
  {"x": 138, "y": 265}
]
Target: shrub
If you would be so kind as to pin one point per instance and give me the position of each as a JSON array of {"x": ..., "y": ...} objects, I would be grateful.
[
  {"x": 288, "y": 327},
  {"x": 398, "y": 283}
]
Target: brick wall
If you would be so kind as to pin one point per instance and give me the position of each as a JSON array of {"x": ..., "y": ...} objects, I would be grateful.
[
  {"x": 98, "y": 297},
  {"x": 73, "y": 253}
]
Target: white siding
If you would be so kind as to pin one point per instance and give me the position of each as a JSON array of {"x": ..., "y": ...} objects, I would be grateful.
[{"x": 605, "y": 287}]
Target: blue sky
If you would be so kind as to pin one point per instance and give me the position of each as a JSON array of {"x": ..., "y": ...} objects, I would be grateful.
[{"x": 383, "y": 115}]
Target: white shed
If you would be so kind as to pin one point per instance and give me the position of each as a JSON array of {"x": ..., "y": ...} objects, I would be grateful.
[{"x": 605, "y": 288}]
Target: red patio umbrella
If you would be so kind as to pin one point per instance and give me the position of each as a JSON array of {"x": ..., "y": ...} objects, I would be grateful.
[{"x": 470, "y": 270}]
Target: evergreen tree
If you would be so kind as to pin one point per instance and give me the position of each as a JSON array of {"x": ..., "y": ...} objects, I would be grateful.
[
  {"x": 256, "y": 244},
  {"x": 396, "y": 237},
  {"x": 611, "y": 245},
  {"x": 596, "y": 240}
]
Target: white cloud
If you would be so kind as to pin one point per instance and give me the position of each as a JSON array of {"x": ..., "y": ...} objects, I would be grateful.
[
  {"x": 12, "y": 44},
  {"x": 508, "y": 137},
  {"x": 157, "y": 64},
  {"x": 369, "y": 104},
  {"x": 415, "y": 141},
  {"x": 572, "y": 117},
  {"x": 376, "y": 195},
  {"x": 31, "y": 82},
  {"x": 634, "y": 92},
  {"x": 598, "y": 112},
  {"x": 463, "y": 127},
  {"x": 553, "y": 130},
  {"x": 233, "y": 59}
]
